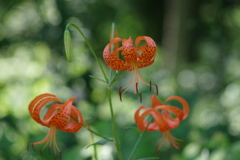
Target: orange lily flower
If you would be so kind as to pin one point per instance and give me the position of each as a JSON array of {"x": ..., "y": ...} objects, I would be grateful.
[
  {"x": 164, "y": 121},
  {"x": 65, "y": 117},
  {"x": 133, "y": 61}
]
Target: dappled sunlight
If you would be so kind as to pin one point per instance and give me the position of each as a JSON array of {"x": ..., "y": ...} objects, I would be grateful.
[
  {"x": 219, "y": 154},
  {"x": 50, "y": 12},
  {"x": 187, "y": 79},
  {"x": 192, "y": 150},
  {"x": 230, "y": 96},
  {"x": 21, "y": 18},
  {"x": 207, "y": 113},
  {"x": 206, "y": 81}
]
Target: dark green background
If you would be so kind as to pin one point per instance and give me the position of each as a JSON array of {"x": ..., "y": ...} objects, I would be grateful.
[{"x": 197, "y": 58}]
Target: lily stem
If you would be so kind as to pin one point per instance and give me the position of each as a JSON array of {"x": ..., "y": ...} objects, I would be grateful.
[
  {"x": 139, "y": 138},
  {"x": 116, "y": 142},
  {"x": 113, "y": 124}
]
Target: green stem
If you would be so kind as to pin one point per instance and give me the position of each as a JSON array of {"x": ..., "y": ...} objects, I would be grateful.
[
  {"x": 95, "y": 152},
  {"x": 89, "y": 45},
  {"x": 110, "y": 104},
  {"x": 113, "y": 125},
  {"x": 139, "y": 138},
  {"x": 112, "y": 47}
]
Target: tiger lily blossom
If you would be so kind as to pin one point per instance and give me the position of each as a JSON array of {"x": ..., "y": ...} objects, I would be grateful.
[
  {"x": 133, "y": 61},
  {"x": 163, "y": 120},
  {"x": 65, "y": 117}
]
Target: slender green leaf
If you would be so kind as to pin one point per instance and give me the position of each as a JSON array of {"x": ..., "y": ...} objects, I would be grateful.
[
  {"x": 116, "y": 78},
  {"x": 150, "y": 158},
  {"x": 134, "y": 127},
  {"x": 97, "y": 78},
  {"x": 100, "y": 142}
]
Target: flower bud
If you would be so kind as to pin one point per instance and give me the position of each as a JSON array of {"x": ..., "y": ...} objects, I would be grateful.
[{"x": 68, "y": 45}]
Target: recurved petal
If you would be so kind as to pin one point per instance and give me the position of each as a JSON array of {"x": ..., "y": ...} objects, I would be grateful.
[
  {"x": 113, "y": 61},
  {"x": 50, "y": 113},
  {"x": 184, "y": 103},
  {"x": 107, "y": 50},
  {"x": 159, "y": 121},
  {"x": 155, "y": 101},
  {"x": 60, "y": 119},
  {"x": 76, "y": 121},
  {"x": 178, "y": 112},
  {"x": 128, "y": 51},
  {"x": 37, "y": 99},
  {"x": 36, "y": 105},
  {"x": 162, "y": 124},
  {"x": 153, "y": 126},
  {"x": 172, "y": 122},
  {"x": 138, "y": 121},
  {"x": 148, "y": 51}
]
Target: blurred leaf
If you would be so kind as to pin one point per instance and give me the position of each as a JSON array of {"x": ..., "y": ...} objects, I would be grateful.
[
  {"x": 148, "y": 158},
  {"x": 100, "y": 142},
  {"x": 97, "y": 78},
  {"x": 135, "y": 128}
]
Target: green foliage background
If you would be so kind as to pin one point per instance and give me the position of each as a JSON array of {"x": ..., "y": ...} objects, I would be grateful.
[{"x": 198, "y": 59}]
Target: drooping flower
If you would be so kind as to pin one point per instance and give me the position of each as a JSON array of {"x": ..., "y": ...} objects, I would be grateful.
[
  {"x": 163, "y": 119},
  {"x": 65, "y": 117},
  {"x": 132, "y": 59}
]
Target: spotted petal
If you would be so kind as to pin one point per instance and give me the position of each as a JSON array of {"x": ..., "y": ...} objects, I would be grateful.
[
  {"x": 112, "y": 60},
  {"x": 148, "y": 51},
  {"x": 37, "y": 103}
]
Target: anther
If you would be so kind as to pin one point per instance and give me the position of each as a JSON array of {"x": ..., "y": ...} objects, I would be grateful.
[
  {"x": 55, "y": 157},
  {"x": 32, "y": 147},
  {"x": 60, "y": 155},
  {"x": 41, "y": 152},
  {"x": 49, "y": 150},
  {"x": 156, "y": 90},
  {"x": 120, "y": 93},
  {"x": 169, "y": 150},
  {"x": 150, "y": 86},
  {"x": 140, "y": 95},
  {"x": 137, "y": 87},
  {"x": 28, "y": 146},
  {"x": 158, "y": 153}
]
